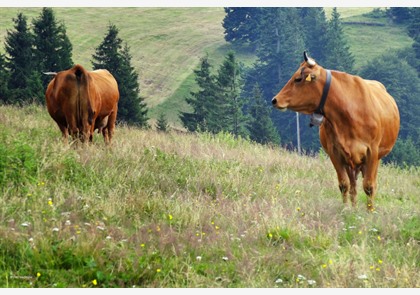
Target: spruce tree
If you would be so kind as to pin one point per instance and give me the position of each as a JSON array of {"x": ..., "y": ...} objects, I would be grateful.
[
  {"x": 202, "y": 102},
  {"x": 338, "y": 55},
  {"x": 4, "y": 78},
  {"x": 414, "y": 32},
  {"x": 162, "y": 123},
  {"x": 115, "y": 58},
  {"x": 53, "y": 49},
  {"x": 231, "y": 116},
  {"x": 261, "y": 127},
  {"x": 24, "y": 81}
]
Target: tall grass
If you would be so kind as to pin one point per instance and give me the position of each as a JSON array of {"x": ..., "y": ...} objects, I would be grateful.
[{"x": 181, "y": 210}]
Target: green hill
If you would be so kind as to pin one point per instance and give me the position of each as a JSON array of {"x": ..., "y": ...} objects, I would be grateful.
[
  {"x": 167, "y": 43},
  {"x": 181, "y": 210}
]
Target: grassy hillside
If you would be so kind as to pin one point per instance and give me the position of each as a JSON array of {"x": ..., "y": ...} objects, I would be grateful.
[
  {"x": 167, "y": 43},
  {"x": 179, "y": 210}
]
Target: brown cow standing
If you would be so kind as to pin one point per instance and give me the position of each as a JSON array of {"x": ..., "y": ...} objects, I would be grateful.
[
  {"x": 80, "y": 101},
  {"x": 359, "y": 121}
]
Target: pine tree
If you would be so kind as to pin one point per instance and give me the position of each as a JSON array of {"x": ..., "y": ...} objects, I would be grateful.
[
  {"x": 53, "y": 49},
  {"x": 240, "y": 24},
  {"x": 4, "y": 79},
  {"x": 261, "y": 127},
  {"x": 414, "y": 32},
  {"x": 315, "y": 31},
  {"x": 202, "y": 102},
  {"x": 24, "y": 80},
  {"x": 132, "y": 107},
  {"x": 111, "y": 55},
  {"x": 162, "y": 123},
  {"x": 338, "y": 55},
  {"x": 231, "y": 115}
]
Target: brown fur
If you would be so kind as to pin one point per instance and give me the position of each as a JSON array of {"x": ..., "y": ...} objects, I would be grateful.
[
  {"x": 360, "y": 127},
  {"x": 80, "y": 101}
]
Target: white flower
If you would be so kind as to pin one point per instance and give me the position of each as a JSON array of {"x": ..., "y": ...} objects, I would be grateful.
[
  {"x": 311, "y": 282},
  {"x": 362, "y": 277},
  {"x": 25, "y": 224},
  {"x": 374, "y": 230},
  {"x": 100, "y": 227},
  {"x": 55, "y": 229},
  {"x": 198, "y": 258},
  {"x": 68, "y": 222},
  {"x": 108, "y": 237},
  {"x": 279, "y": 281},
  {"x": 301, "y": 277},
  {"x": 225, "y": 258}
]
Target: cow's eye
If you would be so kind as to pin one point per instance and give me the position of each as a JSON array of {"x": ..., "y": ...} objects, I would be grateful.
[{"x": 299, "y": 79}]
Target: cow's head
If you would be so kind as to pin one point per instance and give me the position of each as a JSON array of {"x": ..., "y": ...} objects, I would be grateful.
[{"x": 303, "y": 91}]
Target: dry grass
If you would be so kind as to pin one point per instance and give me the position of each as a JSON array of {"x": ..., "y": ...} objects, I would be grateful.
[{"x": 179, "y": 210}]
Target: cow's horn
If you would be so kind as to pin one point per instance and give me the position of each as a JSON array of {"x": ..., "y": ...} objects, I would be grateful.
[
  {"x": 50, "y": 73},
  {"x": 309, "y": 60}
]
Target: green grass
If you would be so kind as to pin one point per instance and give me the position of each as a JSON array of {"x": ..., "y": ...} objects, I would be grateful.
[
  {"x": 184, "y": 210},
  {"x": 167, "y": 43}
]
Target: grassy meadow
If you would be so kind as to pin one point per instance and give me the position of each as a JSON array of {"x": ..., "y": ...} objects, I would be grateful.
[
  {"x": 192, "y": 210},
  {"x": 167, "y": 43}
]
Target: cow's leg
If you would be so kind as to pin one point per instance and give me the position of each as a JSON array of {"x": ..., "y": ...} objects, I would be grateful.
[
  {"x": 369, "y": 181},
  {"x": 111, "y": 125},
  {"x": 342, "y": 176},
  {"x": 352, "y": 173},
  {"x": 105, "y": 134},
  {"x": 64, "y": 133}
]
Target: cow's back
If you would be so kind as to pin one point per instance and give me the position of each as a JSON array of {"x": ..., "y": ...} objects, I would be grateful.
[{"x": 388, "y": 115}]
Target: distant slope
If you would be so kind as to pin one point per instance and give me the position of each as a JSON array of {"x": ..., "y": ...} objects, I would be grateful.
[{"x": 167, "y": 43}]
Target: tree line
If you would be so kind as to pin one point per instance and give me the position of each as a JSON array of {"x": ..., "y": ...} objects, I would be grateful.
[
  {"x": 277, "y": 37},
  {"x": 47, "y": 48}
]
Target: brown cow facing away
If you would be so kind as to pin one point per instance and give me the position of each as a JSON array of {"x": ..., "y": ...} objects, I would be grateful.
[
  {"x": 81, "y": 101},
  {"x": 359, "y": 121}
]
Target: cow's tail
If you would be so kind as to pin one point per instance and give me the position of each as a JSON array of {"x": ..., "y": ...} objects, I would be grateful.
[{"x": 82, "y": 101}]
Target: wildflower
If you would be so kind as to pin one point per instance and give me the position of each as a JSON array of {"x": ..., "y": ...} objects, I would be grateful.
[
  {"x": 298, "y": 209},
  {"x": 371, "y": 267},
  {"x": 217, "y": 227},
  {"x": 379, "y": 238},
  {"x": 94, "y": 282},
  {"x": 225, "y": 258},
  {"x": 158, "y": 228},
  {"x": 324, "y": 266},
  {"x": 100, "y": 227},
  {"x": 158, "y": 270},
  {"x": 311, "y": 282},
  {"x": 68, "y": 222},
  {"x": 29, "y": 195},
  {"x": 279, "y": 281},
  {"x": 170, "y": 216},
  {"x": 108, "y": 237},
  {"x": 330, "y": 261},
  {"x": 25, "y": 224},
  {"x": 270, "y": 235},
  {"x": 300, "y": 278},
  {"x": 50, "y": 202},
  {"x": 379, "y": 261},
  {"x": 30, "y": 240},
  {"x": 360, "y": 232},
  {"x": 55, "y": 229},
  {"x": 198, "y": 258},
  {"x": 38, "y": 274},
  {"x": 362, "y": 277},
  {"x": 142, "y": 245}
]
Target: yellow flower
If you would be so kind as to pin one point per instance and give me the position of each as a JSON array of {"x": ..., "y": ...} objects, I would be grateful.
[
  {"x": 216, "y": 227},
  {"x": 170, "y": 216},
  {"x": 142, "y": 245},
  {"x": 38, "y": 274},
  {"x": 371, "y": 267},
  {"x": 330, "y": 261},
  {"x": 270, "y": 235},
  {"x": 94, "y": 282},
  {"x": 379, "y": 238},
  {"x": 378, "y": 269},
  {"x": 324, "y": 266},
  {"x": 380, "y": 261},
  {"x": 158, "y": 270}
]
